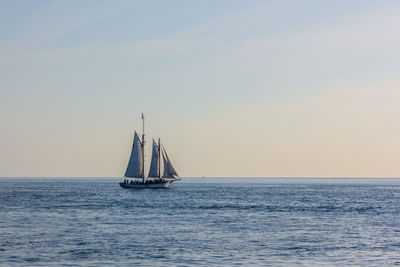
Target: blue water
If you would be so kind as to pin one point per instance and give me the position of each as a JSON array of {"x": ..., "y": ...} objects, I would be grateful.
[{"x": 279, "y": 222}]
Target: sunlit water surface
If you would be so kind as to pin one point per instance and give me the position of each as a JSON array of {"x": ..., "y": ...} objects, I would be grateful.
[{"x": 279, "y": 222}]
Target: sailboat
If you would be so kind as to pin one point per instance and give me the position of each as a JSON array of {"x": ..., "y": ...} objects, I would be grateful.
[{"x": 135, "y": 172}]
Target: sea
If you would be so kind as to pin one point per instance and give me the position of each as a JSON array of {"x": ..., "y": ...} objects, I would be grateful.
[{"x": 200, "y": 222}]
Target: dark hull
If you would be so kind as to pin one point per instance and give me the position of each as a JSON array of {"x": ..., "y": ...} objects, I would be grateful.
[{"x": 146, "y": 185}]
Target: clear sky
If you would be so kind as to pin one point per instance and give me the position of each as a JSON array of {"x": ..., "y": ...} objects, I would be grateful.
[{"x": 234, "y": 88}]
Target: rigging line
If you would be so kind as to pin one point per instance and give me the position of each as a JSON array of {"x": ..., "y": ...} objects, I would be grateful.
[
  {"x": 151, "y": 133},
  {"x": 154, "y": 133}
]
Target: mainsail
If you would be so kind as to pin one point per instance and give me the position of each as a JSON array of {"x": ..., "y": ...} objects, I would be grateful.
[
  {"x": 155, "y": 159},
  {"x": 169, "y": 170},
  {"x": 135, "y": 166}
]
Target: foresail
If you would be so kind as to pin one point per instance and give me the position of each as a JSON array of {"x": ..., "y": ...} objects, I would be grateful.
[
  {"x": 155, "y": 157},
  {"x": 135, "y": 168},
  {"x": 169, "y": 170}
]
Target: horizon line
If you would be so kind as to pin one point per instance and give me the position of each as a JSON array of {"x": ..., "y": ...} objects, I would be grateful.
[{"x": 224, "y": 177}]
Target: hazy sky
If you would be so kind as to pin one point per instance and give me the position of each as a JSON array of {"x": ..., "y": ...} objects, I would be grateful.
[{"x": 234, "y": 88}]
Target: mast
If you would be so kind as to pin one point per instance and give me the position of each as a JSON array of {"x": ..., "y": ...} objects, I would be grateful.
[
  {"x": 143, "y": 141},
  {"x": 159, "y": 158}
]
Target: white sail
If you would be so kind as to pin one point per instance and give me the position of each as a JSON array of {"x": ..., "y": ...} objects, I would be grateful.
[
  {"x": 169, "y": 170},
  {"x": 135, "y": 167},
  {"x": 155, "y": 159}
]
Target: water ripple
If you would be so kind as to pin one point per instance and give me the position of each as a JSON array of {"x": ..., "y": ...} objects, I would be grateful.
[{"x": 93, "y": 222}]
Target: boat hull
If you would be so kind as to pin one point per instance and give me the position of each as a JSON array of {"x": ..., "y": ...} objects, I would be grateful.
[{"x": 143, "y": 186}]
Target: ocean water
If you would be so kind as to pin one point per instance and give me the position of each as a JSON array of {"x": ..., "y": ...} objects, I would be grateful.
[{"x": 202, "y": 222}]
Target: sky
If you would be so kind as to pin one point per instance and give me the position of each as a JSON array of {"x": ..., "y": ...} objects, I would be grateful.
[{"x": 291, "y": 88}]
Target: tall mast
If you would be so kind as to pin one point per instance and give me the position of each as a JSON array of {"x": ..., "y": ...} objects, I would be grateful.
[
  {"x": 159, "y": 158},
  {"x": 143, "y": 141}
]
